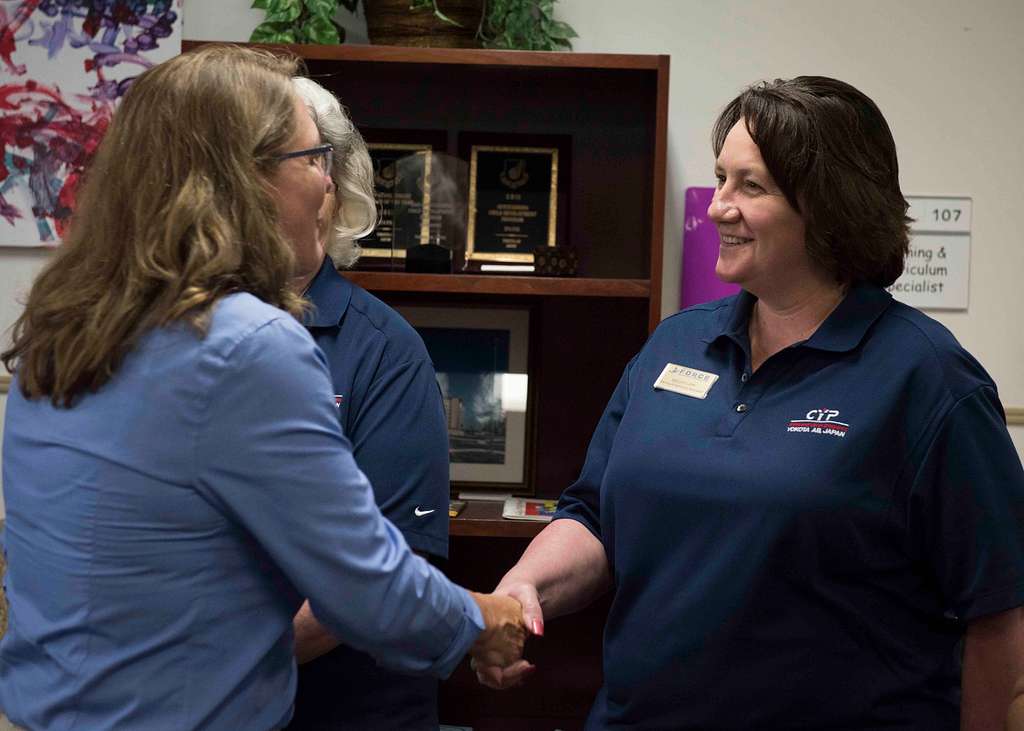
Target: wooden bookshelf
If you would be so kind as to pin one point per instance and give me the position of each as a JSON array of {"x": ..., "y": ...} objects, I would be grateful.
[{"x": 612, "y": 109}]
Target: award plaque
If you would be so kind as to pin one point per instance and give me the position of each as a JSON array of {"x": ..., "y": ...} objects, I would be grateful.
[
  {"x": 513, "y": 201},
  {"x": 401, "y": 183}
]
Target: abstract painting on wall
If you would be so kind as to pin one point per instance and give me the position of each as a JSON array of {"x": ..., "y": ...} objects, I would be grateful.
[{"x": 64, "y": 65}]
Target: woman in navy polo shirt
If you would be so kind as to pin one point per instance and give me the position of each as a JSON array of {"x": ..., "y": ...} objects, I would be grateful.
[
  {"x": 389, "y": 407},
  {"x": 804, "y": 497}
]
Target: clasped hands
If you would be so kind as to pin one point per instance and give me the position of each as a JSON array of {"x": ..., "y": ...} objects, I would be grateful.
[{"x": 510, "y": 615}]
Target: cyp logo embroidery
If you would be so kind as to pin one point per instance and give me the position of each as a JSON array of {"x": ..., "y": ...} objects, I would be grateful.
[
  {"x": 820, "y": 421},
  {"x": 338, "y": 398}
]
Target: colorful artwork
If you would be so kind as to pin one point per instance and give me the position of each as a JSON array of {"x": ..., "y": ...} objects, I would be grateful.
[{"x": 64, "y": 64}]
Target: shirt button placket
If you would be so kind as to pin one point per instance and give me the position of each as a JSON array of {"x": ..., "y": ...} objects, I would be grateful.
[{"x": 746, "y": 395}]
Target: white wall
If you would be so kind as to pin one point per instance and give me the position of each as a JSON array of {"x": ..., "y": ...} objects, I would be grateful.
[{"x": 947, "y": 74}]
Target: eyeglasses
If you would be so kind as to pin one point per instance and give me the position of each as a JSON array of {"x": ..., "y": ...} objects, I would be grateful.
[{"x": 321, "y": 155}]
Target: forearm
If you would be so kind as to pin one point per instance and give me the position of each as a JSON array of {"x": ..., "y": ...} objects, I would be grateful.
[
  {"x": 566, "y": 564},
  {"x": 1015, "y": 720},
  {"x": 993, "y": 660},
  {"x": 311, "y": 638}
]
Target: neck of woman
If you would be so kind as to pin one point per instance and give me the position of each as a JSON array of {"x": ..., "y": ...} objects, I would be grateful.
[{"x": 776, "y": 322}]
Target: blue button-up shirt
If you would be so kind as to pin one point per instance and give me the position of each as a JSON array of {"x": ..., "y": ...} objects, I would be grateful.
[
  {"x": 803, "y": 546},
  {"x": 162, "y": 533}
]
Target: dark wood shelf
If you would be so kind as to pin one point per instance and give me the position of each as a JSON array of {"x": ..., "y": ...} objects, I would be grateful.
[
  {"x": 462, "y": 56},
  {"x": 499, "y": 284},
  {"x": 482, "y": 518}
]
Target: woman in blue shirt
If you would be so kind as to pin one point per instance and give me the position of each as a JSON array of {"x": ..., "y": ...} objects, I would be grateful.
[
  {"x": 175, "y": 477},
  {"x": 804, "y": 497}
]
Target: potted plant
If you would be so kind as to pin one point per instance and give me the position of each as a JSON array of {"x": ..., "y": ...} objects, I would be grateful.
[
  {"x": 510, "y": 24},
  {"x": 527, "y": 25},
  {"x": 300, "y": 21}
]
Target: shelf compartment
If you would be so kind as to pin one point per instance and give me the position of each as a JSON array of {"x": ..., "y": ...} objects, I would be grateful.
[
  {"x": 482, "y": 518},
  {"x": 501, "y": 285}
]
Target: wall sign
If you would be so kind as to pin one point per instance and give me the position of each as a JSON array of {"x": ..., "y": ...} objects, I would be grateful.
[{"x": 937, "y": 270}]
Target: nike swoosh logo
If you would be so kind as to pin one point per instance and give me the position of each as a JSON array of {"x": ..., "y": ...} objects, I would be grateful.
[{"x": 420, "y": 513}]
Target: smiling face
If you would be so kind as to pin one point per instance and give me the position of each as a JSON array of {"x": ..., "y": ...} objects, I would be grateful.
[
  {"x": 300, "y": 186},
  {"x": 762, "y": 235}
]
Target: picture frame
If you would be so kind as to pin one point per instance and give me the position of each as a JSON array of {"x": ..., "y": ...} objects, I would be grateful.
[
  {"x": 499, "y": 194},
  {"x": 481, "y": 357},
  {"x": 513, "y": 202}
]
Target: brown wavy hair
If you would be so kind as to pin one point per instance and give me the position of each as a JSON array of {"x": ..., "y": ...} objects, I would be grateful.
[
  {"x": 831, "y": 152},
  {"x": 173, "y": 215}
]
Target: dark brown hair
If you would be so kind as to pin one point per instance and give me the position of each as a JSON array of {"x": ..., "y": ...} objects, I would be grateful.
[
  {"x": 174, "y": 214},
  {"x": 831, "y": 152}
]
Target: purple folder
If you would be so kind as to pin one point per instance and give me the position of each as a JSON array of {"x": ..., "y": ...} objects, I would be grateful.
[{"x": 698, "y": 282}]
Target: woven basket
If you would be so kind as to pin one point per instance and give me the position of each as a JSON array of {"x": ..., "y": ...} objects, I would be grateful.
[{"x": 391, "y": 23}]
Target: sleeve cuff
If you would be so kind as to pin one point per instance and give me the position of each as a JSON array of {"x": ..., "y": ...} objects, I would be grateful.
[
  {"x": 470, "y": 627},
  {"x": 994, "y": 602}
]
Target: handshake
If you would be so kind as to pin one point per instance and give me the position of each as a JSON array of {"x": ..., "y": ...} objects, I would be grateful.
[{"x": 497, "y": 654}]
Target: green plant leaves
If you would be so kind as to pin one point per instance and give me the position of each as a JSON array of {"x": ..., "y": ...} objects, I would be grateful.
[
  {"x": 272, "y": 33},
  {"x": 518, "y": 24},
  {"x": 525, "y": 25},
  {"x": 323, "y": 8},
  {"x": 322, "y": 30},
  {"x": 299, "y": 21},
  {"x": 559, "y": 30},
  {"x": 284, "y": 16}
]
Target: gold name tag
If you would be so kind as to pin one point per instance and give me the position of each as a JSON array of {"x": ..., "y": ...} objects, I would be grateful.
[{"x": 685, "y": 380}]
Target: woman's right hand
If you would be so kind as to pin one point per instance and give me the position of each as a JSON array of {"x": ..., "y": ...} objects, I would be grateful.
[
  {"x": 502, "y": 675},
  {"x": 500, "y": 646},
  {"x": 569, "y": 565}
]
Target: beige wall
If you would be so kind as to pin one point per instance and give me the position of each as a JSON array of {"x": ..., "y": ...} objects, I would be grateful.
[{"x": 947, "y": 74}]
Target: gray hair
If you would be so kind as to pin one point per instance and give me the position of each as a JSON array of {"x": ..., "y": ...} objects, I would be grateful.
[{"x": 352, "y": 172}]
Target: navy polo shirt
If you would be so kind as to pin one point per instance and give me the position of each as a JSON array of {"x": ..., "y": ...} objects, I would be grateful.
[
  {"x": 390, "y": 408},
  {"x": 803, "y": 547}
]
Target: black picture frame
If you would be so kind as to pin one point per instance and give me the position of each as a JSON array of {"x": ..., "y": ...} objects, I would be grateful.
[{"x": 481, "y": 356}]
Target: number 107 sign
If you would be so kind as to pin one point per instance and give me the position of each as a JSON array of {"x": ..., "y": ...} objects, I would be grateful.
[{"x": 937, "y": 268}]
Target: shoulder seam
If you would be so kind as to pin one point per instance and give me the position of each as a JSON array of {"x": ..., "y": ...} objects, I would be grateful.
[
  {"x": 236, "y": 342},
  {"x": 934, "y": 426},
  {"x": 936, "y": 356},
  {"x": 703, "y": 307}
]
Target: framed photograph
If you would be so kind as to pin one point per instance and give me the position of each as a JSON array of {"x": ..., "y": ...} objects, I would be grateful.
[{"x": 481, "y": 357}]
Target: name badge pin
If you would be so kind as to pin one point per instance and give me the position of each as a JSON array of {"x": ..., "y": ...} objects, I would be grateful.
[{"x": 685, "y": 381}]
